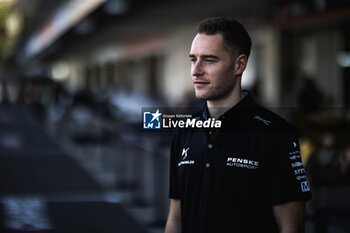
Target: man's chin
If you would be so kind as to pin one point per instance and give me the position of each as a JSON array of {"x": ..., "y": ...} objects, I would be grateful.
[{"x": 201, "y": 97}]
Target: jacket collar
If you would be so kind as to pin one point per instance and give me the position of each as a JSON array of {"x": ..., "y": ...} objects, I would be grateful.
[{"x": 243, "y": 105}]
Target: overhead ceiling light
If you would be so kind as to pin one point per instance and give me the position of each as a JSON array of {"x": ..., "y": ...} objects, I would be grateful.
[{"x": 63, "y": 19}]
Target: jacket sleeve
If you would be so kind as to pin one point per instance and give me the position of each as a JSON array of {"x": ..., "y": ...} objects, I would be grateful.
[{"x": 287, "y": 177}]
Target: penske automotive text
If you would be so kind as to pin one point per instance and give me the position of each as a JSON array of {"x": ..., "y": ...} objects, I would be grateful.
[{"x": 243, "y": 163}]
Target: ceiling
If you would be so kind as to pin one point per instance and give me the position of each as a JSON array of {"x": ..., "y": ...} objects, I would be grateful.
[{"x": 37, "y": 13}]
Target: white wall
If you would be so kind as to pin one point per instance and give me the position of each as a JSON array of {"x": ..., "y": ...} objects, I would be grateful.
[
  {"x": 265, "y": 52},
  {"x": 177, "y": 66}
]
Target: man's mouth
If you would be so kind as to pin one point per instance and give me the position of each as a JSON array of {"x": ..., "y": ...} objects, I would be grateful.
[{"x": 200, "y": 83}]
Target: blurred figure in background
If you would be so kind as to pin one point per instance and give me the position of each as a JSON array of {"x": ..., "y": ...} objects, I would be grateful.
[
  {"x": 310, "y": 97},
  {"x": 328, "y": 168}
]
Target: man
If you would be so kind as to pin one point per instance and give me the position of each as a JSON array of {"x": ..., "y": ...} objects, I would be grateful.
[{"x": 246, "y": 176}]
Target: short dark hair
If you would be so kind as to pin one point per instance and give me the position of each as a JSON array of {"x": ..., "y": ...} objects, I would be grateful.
[{"x": 234, "y": 34}]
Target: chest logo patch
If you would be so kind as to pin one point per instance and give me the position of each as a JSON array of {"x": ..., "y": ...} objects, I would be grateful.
[
  {"x": 184, "y": 153},
  {"x": 258, "y": 118},
  {"x": 243, "y": 163}
]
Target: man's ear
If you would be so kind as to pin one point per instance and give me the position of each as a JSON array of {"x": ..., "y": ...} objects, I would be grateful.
[{"x": 241, "y": 64}]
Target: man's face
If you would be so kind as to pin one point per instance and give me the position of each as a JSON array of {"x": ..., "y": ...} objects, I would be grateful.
[{"x": 213, "y": 68}]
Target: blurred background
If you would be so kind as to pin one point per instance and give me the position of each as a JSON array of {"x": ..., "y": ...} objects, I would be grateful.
[{"x": 75, "y": 75}]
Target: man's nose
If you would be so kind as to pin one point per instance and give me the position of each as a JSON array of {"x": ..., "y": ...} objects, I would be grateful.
[{"x": 197, "y": 69}]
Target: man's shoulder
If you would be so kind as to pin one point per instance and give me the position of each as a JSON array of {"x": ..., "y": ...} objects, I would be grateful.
[{"x": 269, "y": 119}]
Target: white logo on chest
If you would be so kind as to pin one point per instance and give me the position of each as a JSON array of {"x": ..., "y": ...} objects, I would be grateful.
[
  {"x": 266, "y": 122},
  {"x": 184, "y": 153},
  {"x": 243, "y": 163}
]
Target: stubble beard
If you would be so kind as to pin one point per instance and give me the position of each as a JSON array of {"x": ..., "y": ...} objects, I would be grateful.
[{"x": 216, "y": 93}]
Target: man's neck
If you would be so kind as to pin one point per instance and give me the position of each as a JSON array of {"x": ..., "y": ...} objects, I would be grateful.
[{"x": 218, "y": 107}]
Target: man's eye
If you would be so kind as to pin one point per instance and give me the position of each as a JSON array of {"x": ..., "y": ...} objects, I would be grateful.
[
  {"x": 193, "y": 60},
  {"x": 209, "y": 61}
]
